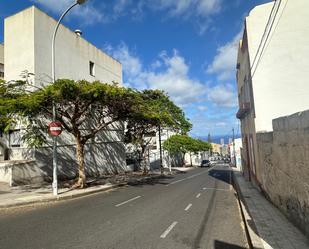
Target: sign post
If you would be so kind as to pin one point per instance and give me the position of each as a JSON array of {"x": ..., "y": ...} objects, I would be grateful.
[{"x": 55, "y": 129}]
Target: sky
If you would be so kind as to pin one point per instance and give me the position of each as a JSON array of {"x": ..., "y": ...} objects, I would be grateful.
[{"x": 187, "y": 48}]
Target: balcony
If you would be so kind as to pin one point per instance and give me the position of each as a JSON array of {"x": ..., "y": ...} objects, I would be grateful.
[{"x": 244, "y": 109}]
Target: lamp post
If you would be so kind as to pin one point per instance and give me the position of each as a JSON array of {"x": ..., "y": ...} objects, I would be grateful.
[{"x": 55, "y": 181}]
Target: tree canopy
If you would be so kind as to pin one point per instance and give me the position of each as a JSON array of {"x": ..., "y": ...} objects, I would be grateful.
[
  {"x": 182, "y": 144},
  {"x": 86, "y": 108},
  {"x": 10, "y": 95},
  {"x": 154, "y": 111}
]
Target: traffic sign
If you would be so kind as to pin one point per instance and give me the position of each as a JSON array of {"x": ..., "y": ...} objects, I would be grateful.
[{"x": 55, "y": 128}]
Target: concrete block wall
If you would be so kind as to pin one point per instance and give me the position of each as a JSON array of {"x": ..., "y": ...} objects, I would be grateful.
[{"x": 284, "y": 165}]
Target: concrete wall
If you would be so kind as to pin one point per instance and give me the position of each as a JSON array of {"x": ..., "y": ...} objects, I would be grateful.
[
  {"x": 105, "y": 154},
  {"x": 19, "y": 44},
  {"x": 280, "y": 81},
  {"x": 284, "y": 166},
  {"x": 28, "y": 36},
  {"x": 21, "y": 172},
  {"x": 1, "y": 54}
]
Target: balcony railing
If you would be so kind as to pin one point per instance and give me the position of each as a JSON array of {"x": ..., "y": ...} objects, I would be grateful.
[{"x": 244, "y": 109}]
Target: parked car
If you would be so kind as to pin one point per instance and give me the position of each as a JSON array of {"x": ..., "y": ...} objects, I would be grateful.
[{"x": 205, "y": 163}]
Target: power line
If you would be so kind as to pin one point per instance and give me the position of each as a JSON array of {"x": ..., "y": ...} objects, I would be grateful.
[
  {"x": 268, "y": 34},
  {"x": 264, "y": 33}
]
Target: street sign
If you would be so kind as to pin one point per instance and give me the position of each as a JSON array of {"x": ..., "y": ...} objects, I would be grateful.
[{"x": 55, "y": 128}]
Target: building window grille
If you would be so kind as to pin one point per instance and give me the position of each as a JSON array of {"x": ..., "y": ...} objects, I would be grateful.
[
  {"x": 1, "y": 70},
  {"x": 91, "y": 68},
  {"x": 15, "y": 138}
]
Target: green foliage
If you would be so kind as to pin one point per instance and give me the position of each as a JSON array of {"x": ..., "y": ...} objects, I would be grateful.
[
  {"x": 154, "y": 109},
  {"x": 185, "y": 144},
  {"x": 10, "y": 95},
  {"x": 83, "y": 108}
]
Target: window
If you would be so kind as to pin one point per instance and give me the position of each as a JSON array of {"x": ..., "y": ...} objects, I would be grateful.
[
  {"x": 1, "y": 70},
  {"x": 15, "y": 138},
  {"x": 91, "y": 68}
]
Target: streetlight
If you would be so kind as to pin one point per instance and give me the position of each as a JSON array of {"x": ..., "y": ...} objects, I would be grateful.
[{"x": 55, "y": 181}]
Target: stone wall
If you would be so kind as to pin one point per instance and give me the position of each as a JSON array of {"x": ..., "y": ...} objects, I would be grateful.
[{"x": 284, "y": 165}]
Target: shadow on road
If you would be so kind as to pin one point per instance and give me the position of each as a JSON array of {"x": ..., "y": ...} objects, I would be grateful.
[
  {"x": 222, "y": 175},
  {"x": 223, "y": 245}
]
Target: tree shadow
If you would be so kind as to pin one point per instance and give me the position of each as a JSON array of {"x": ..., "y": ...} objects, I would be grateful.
[{"x": 224, "y": 245}]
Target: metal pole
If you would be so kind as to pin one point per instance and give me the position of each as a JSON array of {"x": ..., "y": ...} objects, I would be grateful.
[
  {"x": 234, "y": 148},
  {"x": 161, "y": 166},
  {"x": 169, "y": 163},
  {"x": 55, "y": 180}
]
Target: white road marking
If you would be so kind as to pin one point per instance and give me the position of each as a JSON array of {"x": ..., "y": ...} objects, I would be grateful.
[
  {"x": 188, "y": 207},
  {"x": 220, "y": 189},
  {"x": 163, "y": 235},
  {"x": 212, "y": 168},
  {"x": 198, "y": 195},
  {"x": 176, "y": 181},
  {"x": 122, "y": 203},
  {"x": 189, "y": 177}
]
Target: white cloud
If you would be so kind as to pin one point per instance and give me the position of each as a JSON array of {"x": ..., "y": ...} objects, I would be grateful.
[
  {"x": 224, "y": 62},
  {"x": 201, "y": 8},
  {"x": 171, "y": 77},
  {"x": 202, "y": 108},
  {"x": 87, "y": 12},
  {"x": 121, "y": 5},
  {"x": 207, "y": 7},
  {"x": 222, "y": 95}
]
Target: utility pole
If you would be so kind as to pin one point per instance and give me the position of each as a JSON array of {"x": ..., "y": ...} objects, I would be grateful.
[
  {"x": 161, "y": 165},
  {"x": 234, "y": 147},
  {"x": 55, "y": 162}
]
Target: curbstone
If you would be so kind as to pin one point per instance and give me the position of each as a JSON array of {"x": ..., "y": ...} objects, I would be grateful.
[
  {"x": 75, "y": 195},
  {"x": 253, "y": 238}
]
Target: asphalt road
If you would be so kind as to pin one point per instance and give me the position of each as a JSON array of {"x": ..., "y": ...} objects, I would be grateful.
[{"x": 197, "y": 209}]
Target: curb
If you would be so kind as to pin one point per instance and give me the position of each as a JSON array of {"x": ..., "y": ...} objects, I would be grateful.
[
  {"x": 77, "y": 195},
  {"x": 253, "y": 238}
]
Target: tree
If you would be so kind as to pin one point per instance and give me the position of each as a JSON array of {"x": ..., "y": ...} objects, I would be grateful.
[
  {"x": 184, "y": 144},
  {"x": 10, "y": 95},
  {"x": 154, "y": 111},
  {"x": 83, "y": 108}
]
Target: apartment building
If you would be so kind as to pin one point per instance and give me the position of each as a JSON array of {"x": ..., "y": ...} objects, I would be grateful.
[
  {"x": 272, "y": 71},
  {"x": 1, "y": 61},
  {"x": 27, "y": 55}
]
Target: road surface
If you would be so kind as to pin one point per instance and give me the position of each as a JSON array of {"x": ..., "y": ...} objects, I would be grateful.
[{"x": 197, "y": 209}]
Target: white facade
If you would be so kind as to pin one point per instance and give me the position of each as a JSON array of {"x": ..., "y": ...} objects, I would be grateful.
[
  {"x": 27, "y": 47},
  {"x": 28, "y": 36},
  {"x": 273, "y": 81},
  {"x": 237, "y": 157},
  {"x": 280, "y": 83},
  {"x": 1, "y": 61}
]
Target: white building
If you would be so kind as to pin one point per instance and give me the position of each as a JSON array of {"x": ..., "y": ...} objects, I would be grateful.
[
  {"x": 27, "y": 48},
  {"x": 272, "y": 70},
  {"x": 1, "y": 61},
  {"x": 236, "y": 159}
]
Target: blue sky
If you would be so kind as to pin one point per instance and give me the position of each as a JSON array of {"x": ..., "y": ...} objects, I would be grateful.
[{"x": 185, "y": 47}]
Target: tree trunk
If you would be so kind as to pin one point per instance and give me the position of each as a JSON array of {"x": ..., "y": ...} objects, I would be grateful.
[
  {"x": 81, "y": 182},
  {"x": 144, "y": 160},
  {"x": 183, "y": 159},
  {"x": 191, "y": 160}
]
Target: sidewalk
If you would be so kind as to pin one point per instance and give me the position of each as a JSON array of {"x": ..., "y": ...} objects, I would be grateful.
[
  {"x": 32, "y": 194},
  {"x": 267, "y": 226}
]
